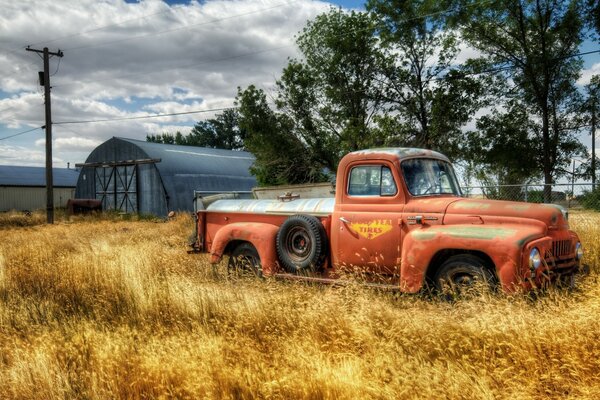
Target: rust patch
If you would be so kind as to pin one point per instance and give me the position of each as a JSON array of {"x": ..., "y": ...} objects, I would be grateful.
[
  {"x": 466, "y": 232},
  {"x": 472, "y": 205},
  {"x": 519, "y": 207}
]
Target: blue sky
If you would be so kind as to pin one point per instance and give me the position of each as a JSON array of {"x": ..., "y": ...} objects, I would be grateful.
[{"x": 126, "y": 59}]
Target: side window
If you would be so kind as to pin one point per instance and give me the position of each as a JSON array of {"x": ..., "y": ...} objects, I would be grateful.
[{"x": 371, "y": 180}]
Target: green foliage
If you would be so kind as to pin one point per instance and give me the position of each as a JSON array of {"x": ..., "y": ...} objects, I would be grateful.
[
  {"x": 504, "y": 147},
  {"x": 326, "y": 102},
  {"x": 221, "y": 132},
  {"x": 281, "y": 157},
  {"x": 332, "y": 94},
  {"x": 590, "y": 199},
  {"x": 429, "y": 105},
  {"x": 534, "y": 38},
  {"x": 593, "y": 13},
  {"x": 591, "y": 116},
  {"x": 166, "y": 138}
]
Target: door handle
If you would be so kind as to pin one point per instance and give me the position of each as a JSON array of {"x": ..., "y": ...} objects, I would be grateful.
[{"x": 349, "y": 227}]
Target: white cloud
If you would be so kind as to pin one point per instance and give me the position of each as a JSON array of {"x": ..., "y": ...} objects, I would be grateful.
[
  {"x": 20, "y": 155},
  {"x": 586, "y": 74},
  {"x": 466, "y": 52},
  {"x": 150, "y": 58},
  {"x": 75, "y": 144}
]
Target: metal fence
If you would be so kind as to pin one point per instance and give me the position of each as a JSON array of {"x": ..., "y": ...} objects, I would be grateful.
[{"x": 578, "y": 198}]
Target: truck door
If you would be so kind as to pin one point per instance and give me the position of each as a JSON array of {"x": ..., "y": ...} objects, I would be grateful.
[{"x": 366, "y": 224}]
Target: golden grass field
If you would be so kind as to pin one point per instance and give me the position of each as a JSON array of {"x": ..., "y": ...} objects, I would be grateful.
[{"x": 101, "y": 308}]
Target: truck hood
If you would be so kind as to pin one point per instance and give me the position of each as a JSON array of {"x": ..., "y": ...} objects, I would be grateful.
[{"x": 552, "y": 215}]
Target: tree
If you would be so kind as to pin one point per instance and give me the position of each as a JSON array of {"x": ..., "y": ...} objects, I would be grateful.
[
  {"x": 591, "y": 112},
  {"x": 166, "y": 138},
  {"x": 281, "y": 157},
  {"x": 221, "y": 132},
  {"x": 534, "y": 41},
  {"x": 594, "y": 14},
  {"x": 333, "y": 93},
  {"x": 504, "y": 146},
  {"x": 430, "y": 100}
]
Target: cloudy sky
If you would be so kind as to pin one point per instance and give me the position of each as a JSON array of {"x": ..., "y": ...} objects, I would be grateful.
[{"x": 126, "y": 59}]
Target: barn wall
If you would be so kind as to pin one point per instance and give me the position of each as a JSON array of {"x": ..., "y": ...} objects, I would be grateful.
[
  {"x": 169, "y": 184},
  {"x": 150, "y": 191},
  {"x": 32, "y": 198}
]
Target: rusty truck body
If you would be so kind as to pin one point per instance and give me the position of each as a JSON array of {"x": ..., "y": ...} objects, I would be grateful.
[{"x": 397, "y": 213}]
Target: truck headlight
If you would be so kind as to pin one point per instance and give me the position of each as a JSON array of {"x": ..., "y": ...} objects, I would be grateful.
[
  {"x": 578, "y": 251},
  {"x": 535, "y": 258}
]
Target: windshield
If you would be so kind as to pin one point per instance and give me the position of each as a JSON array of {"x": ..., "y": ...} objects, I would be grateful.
[{"x": 425, "y": 177}]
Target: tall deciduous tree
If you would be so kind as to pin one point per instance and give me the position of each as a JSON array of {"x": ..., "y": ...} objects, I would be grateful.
[
  {"x": 333, "y": 92},
  {"x": 281, "y": 157},
  {"x": 504, "y": 148},
  {"x": 591, "y": 113},
  {"x": 429, "y": 99},
  {"x": 536, "y": 40}
]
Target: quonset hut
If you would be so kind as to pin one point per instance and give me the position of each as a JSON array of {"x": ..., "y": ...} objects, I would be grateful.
[{"x": 130, "y": 175}]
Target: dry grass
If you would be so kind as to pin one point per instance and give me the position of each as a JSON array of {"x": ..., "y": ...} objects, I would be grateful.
[{"x": 103, "y": 309}]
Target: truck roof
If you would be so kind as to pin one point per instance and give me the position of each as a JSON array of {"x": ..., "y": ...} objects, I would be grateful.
[{"x": 400, "y": 152}]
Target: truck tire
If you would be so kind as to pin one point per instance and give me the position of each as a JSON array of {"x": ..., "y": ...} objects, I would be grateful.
[
  {"x": 464, "y": 275},
  {"x": 301, "y": 243},
  {"x": 244, "y": 261}
]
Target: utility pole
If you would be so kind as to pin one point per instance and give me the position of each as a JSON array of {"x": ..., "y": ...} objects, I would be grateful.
[{"x": 45, "y": 81}]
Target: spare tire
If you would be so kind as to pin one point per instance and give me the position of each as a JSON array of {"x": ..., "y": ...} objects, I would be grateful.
[{"x": 301, "y": 243}]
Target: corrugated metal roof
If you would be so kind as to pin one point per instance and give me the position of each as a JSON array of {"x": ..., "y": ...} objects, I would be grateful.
[
  {"x": 184, "y": 169},
  {"x": 13, "y": 175},
  {"x": 169, "y": 184}
]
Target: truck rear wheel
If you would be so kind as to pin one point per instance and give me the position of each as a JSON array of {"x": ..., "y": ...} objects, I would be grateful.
[
  {"x": 464, "y": 275},
  {"x": 244, "y": 260},
  {"x": 301, "y": 243}
]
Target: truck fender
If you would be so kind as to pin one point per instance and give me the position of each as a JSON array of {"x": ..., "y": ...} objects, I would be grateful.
[
  {"x": 502, "y": 244},
  {"x": 260, "y": 235}
]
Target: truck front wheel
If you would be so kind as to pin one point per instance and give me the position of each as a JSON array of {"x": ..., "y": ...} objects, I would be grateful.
[
  {"x": 464, "y": 275},
  {"x": 244, "y": 260},
  {"x": 301, "y": 243}
]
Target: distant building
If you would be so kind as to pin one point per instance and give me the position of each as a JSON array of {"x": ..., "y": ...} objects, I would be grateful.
[
  {"x": 24, "y": 188},
  {"x": 130, "y": 175}
]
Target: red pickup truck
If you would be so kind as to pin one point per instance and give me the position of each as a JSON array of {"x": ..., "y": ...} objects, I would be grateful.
[{"x": 397, "y": 213}]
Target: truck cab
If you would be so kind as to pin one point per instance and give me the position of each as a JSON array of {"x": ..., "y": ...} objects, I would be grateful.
[{"x": 397, "y": 213}]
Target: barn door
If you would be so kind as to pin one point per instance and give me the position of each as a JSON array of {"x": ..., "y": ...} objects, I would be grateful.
[
  {"x": 116, "y": 187},
  {"x": 126, "y": 188},
  {"x": 105, "y": 187}
]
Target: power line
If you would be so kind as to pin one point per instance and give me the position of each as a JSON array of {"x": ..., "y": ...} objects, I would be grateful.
[
  {"x": 509, "y": 67},
  {"x": 248, "y": 54},
  {"x": 182, "y": 27},
  {"x": 140, "y": 117},
  {"x": 20, "y": 133},
  {"x": 81, "y": 33},
  {"x": 148, "y": 34},
  {"x": 217, "y": 60}
]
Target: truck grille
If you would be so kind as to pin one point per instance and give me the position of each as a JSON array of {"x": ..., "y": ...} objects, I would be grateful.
[{"x": 561, "y": 248}]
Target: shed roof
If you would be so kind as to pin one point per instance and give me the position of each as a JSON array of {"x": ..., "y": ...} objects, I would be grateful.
[
  {"x": 13, "y": 175},
  {"x": 176, "y": 159},
  {"x": 184, "y": 169}
]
